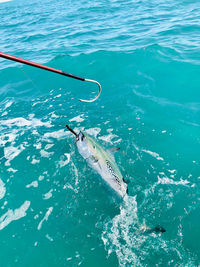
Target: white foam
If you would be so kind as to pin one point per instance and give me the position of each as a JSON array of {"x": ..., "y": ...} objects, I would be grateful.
[
  {"x": 53, "y": 115},
  {"x": 63, "y": 162},
  {"x": 120, "y": 235},
  {"x": 46, "y": 216},
  {"x": 41, "y": 177},
  {"x": 61, "y": 134},
  {"x": 48, "y": 194},
  {"x": 49, "y": 238},
  {"x": 75, "y": 173},
  {"x": 31, "y": 115},
  {"x": 166, "y": 180},
  {"x": 8, "y": 104},
  {"x": 21, "y": 122},
  {"x": 8, "y": 138},
  {"x": 35, "y": 132},
  {"x": 11, "y": 152},
  {"x": 172, "y": 171},
  {"x": 4, "y": 113},
  {"x": 48, "y": 146},
  {"x": 93, "y": 131},
  {"x": 78, "y": 118},
  {"x": 33, "y": 184},
  {"x": 45, "y": 154},
  {"x": 38, "y": 145},
  {"x": 12, "y": 170},
  {"x": 153, "y": 154},
  {"x": 57, "y": 96},
  {"x": 2, "y": 189},
  {"x": 108, "y": 138},
  {"x": 13, "y": 215},
  {"x": 35, "y": 161}
]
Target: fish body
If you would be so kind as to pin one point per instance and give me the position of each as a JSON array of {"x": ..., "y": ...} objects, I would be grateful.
[{"x": 102, "y": 162}]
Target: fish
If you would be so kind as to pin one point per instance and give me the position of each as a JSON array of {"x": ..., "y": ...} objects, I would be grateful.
[{"x": 102, "y": 161}]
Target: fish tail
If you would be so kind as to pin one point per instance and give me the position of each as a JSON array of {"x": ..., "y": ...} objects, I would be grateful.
[{"x": 157, "y": 229}]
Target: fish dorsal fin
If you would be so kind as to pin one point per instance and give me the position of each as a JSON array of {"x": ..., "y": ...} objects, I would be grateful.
[{"x": 111, "y": 151}]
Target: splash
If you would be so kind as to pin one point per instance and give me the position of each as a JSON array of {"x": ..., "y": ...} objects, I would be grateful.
[{"x": 122, "y": 235}]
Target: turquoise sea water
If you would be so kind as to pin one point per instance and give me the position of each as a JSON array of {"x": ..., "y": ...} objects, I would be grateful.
[{"x": 54, "y": 209}]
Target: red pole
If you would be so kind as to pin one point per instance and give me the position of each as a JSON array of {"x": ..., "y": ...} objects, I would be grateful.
[
  {"x": 40, "y": 66},
  {"x": 24, "y": 61}
]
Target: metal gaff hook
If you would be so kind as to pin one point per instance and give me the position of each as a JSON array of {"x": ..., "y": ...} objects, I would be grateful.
[
  {"x": 40, "y": 66},
  {"x": 94, "y": 99}
]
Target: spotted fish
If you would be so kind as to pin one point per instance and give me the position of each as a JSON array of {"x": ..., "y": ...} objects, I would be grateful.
[{"x": 102, "y": 161}]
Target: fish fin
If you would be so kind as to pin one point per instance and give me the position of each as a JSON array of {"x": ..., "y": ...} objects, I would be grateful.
[
  {"x": 127, "y": 181},
  {"x": 113, "y": 149},
  {"x": 94, "y": 160},
  {"x": 147, "y": 230},
  {"x": 111, "y": 152},
  {"x": 158, "y": 229},
  {"x": 127, "y": 190},
  {"x": 99, "y": 165}
]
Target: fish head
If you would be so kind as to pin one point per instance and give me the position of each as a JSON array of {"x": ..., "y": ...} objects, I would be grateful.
[
  {"x": 84, "y": 143},
  {"x": 84, "y": 146}
]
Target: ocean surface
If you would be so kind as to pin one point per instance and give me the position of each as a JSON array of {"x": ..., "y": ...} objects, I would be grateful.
[{"x": 54, "y": 209}]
